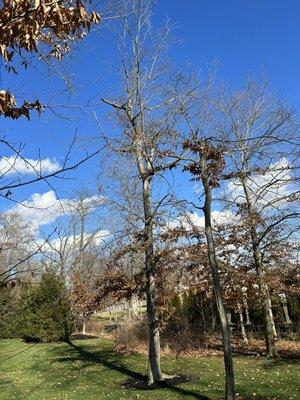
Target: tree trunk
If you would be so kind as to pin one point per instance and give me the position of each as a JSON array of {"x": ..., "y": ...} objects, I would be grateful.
[
  {"x": 228, "y": 361},
  {"x": 133, "y": 304},
  {"x": 229, "y": 372},
  {"x": 213, "y": 318},
  {"x": 248, "y": 322},
  {"x": 270, "y": 329},
  {"x": 154, "y": 373},
  {"x": 242, "y": 325},
  {"x": 288, "y": 320},
  {"x": 83, "y": 326},
  {"x": 203, "y": 315},
  {"x": 228, "y": 313}
]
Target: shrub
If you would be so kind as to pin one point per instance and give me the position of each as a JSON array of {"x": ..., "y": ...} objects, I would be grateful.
[{"x": 131, "y": 336}]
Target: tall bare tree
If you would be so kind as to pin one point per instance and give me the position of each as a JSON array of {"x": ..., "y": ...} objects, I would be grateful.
[
  {"x": 146, "y": 112},
  {"x": 17, "y": 250},
  {"x": 79, "y": 233}
]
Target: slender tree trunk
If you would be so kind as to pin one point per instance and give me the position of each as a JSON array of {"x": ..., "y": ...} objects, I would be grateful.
[
  {"x": 288, "y": 320},
  {"x": 154, "y": 373},
  {"x": 228, "y": 313},
  {"x": 213, "y": 318},
  {"x": 228, "y": 361},
  {"x": 242, "y": 325},
  {"x": 203, "y": 315},
  {"x": 270, "y": 329},
  {"x": 83, "y": 326},
  {"x": 245, "y": 302},
  {"x": 133, "y": 304}
]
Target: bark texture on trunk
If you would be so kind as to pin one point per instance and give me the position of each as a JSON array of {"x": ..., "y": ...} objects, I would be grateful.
[
  {"x": 288, "y": 320},
  {"x": 133, "y": 304},
  {"x": 270, "y": 331},
  {"x": 245, "y": 302},
  {"x": 228, "y": 361},
  {"x": 242, "y": 325},
  {"x": 154, "y": 373}
]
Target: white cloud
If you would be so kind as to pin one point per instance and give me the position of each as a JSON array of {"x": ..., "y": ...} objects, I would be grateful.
[
  {"x": 17, "y": 165},
  {"x": 266, "y": 189},
  {"x": 44, "y": 209},
  {"x": 190, "y": 220}
]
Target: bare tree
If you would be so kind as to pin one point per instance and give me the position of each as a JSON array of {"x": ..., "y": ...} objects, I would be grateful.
[
  {"x": 79, "y": 234},
  {"x": 18, "y": 250},
  {"x": 146, "y": 112}
]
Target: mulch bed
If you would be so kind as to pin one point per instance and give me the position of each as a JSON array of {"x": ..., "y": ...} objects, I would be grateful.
[
  {"x": 81, "y": 336},
  {"x": 142, "y": 384}
]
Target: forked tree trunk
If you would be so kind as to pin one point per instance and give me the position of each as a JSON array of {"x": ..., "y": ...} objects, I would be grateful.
[
  {"x": 270, "y": 329},
  {"x": 228, "y": 361}
]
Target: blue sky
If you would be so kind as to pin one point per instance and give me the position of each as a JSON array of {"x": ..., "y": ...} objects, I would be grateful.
[{"x": 244, "y": 36}]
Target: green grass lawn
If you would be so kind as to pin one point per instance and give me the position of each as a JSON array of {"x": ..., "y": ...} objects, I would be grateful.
[{"x": 90, "y": 369}]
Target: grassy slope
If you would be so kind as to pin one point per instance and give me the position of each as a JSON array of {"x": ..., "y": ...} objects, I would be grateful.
[{"x": 90, "y": 370}]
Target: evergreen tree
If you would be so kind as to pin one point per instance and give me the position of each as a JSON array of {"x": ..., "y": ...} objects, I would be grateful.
[
  {"x": 9, "y": 310},
  {"x": 47, "y": 314}
]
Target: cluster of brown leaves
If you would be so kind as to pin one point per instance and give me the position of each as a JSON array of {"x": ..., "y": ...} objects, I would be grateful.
[
  {"x": 186, "y": 262},
  {"x": 9, "y": 109},
  {"x": 82, "y": 296},
  {"x": 114, "y": 284},
  {"x": 213, "y": 156},
  {"x": 25, "y": 25}
]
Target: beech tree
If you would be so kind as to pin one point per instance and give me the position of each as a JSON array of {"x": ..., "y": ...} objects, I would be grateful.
[{"x": 83, "y": 298}]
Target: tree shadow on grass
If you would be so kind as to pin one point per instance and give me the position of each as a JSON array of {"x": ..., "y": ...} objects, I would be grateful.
[
  {"x": 112, "y": 361},
  {"x": 17, "y": 353}
]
